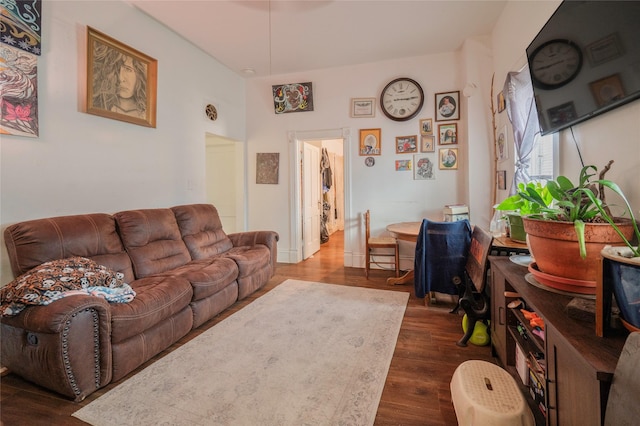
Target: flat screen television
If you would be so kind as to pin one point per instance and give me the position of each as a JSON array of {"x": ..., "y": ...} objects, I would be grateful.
[{"x": 585, "y": 61}]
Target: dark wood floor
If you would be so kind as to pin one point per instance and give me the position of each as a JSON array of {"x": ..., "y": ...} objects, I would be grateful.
[{"x": 417, "y": 388}]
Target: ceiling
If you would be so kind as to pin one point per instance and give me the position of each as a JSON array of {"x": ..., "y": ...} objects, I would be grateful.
[{"x": 261, "y": 38}]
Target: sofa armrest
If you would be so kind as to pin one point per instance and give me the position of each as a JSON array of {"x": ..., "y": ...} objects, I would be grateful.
[
  {"x": 64, "y": 346},
  {"x": 251, "y": 238}
]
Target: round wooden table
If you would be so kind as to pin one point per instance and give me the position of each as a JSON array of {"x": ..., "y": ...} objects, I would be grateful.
[{"x": 405, "y": 231}]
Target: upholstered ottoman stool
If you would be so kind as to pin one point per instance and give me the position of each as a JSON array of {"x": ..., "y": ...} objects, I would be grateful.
[{"x": 485, "y": 394}]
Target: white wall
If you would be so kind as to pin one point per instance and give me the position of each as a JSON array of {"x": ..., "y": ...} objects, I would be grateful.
[
  {"x": 391, "y": 196},
  {"x": 614, "y": 135},
  {"x": 83, "y": 163}
]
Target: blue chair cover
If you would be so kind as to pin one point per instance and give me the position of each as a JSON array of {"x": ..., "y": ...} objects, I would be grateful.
[{"x": 441, "y": 254}]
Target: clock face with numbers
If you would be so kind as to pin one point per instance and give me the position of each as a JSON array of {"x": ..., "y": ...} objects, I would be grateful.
[
  {"x": 555, "y": 63},
  {"x": 402, "y": 99}
]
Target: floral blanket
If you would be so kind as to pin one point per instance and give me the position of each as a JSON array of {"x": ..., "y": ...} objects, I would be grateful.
[{"x": 54, "y": 280}]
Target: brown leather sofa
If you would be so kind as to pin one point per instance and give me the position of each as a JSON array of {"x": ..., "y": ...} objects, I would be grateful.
[{"x": 183, "y": 267}]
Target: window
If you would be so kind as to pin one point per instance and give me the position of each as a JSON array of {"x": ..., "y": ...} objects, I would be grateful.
[
  {"x": 543, "y": 164},
  {"x": 535, "y": 155}
]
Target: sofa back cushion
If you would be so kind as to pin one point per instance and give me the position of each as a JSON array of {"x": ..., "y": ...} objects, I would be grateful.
[
  {"x": 201, "y": 230},
  {"x": 93, "y": 236},
  {"x": 153, "y": 240}
]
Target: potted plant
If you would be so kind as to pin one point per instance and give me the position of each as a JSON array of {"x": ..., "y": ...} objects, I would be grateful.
[
  {"x": 517, "y": 206},
  {"x": 567, "y": 237},
  {"x": 621, "y": 265}
]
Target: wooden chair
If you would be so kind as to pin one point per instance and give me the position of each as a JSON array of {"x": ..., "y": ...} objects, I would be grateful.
[
  {"x": 374, "y": 243},
  {"x": 474, "y": 301}
]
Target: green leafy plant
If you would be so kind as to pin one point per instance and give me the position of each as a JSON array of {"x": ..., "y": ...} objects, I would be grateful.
[
  {"x": 523, "y": 201},
  {"x": 584, "y": 203}
]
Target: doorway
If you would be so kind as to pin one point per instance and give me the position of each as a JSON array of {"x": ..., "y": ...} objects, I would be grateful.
[
  {"x": 225, "y": 180},
  {"x": 333, "y": 204}
]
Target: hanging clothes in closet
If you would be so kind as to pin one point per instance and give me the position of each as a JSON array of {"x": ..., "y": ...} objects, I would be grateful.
[{"x": 327, "y": 181}]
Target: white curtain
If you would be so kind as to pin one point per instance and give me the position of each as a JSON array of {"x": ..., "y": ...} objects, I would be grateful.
[{"x": 521, "y": 109}]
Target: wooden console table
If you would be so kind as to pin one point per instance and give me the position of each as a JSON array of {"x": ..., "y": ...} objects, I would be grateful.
[{"x": 579, "y": 364}]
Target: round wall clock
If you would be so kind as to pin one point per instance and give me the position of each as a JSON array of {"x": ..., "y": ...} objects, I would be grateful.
[
  {"x": 555, "y": 63},
  {"x": 402, "y": 99}
]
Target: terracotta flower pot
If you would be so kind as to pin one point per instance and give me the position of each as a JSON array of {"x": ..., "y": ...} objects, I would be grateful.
[{"x": 554, "y": 245}]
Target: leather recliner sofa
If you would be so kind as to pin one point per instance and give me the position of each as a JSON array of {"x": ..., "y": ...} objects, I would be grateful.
[{"x": 183, "y": 267}]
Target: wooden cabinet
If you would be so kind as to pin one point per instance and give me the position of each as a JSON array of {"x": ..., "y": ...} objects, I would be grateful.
[{"x": 575, "y": 366}]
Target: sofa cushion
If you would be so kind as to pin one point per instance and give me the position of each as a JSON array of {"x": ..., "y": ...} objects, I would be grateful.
[
  {"x": 201, "y": 230},
  {"x": 94, "y": 236},
  {"x": 208, "y": 276},
  {"x": 250, "y": 259},
  {"x": 157, "y": 298},
  {"x": 153, "y": 240}
]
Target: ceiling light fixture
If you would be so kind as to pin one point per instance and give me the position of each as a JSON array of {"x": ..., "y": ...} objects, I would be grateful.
[{"x": 248, "y": 71}]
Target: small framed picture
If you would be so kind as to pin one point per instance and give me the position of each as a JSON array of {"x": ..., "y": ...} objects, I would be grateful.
[
  {"x": 604, "y": 50},
  {"x": 502, "y": 147},
  {"x": 406, "y": 144},
  {"x": 448, "y": 106},
  {"x": 607, "y": 90},
  {"x": 561, "y": 114},
  {"x": 448, "y": 159},
  {"x": 426, "y": 126},
  {"x": 448, "y": 134},
  {"x": 363, "y": 107},
  {"x": 502, "y": 103},
  {"x": 501, "y": 178},
  {"x": 427, "y": 143},
  {"x": 423, "y": 167},
  {"x": 403, "y": 165},
  {"x": 370, "y": 142},
  {"x": 292, "y": 97}
]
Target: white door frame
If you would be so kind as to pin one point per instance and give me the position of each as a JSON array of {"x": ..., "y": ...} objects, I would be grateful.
[{"x": 296, "y": 141}]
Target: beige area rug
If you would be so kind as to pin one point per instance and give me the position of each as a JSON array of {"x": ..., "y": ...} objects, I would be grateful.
[{"x": 305, "y": 353}]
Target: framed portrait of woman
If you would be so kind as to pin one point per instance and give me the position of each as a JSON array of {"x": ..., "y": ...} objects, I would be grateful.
[
  {"x": 448, "y": 133},
  {"x": 121, "y": 81}
]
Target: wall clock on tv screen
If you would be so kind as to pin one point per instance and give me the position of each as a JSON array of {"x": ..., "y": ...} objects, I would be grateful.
[{"x": 555, "y": 63}]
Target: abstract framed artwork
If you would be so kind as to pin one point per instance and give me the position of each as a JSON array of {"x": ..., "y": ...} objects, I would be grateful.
[
  {"x": 121, "y": 81},
  {"x": 267, "y": 167},
  {"x": 21, "y": 25},
  {"x": 447, "y": 106},
  {"x": 18, "y": 93},
  {"x": 292, "y": 97}
]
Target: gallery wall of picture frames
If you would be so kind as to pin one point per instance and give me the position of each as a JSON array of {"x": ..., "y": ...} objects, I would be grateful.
[{"x": 401, "y": 100}]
